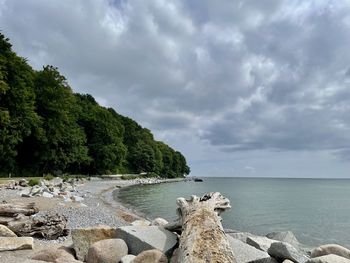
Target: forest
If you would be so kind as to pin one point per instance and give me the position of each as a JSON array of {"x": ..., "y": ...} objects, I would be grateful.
[{"x": 46, "y": 128}]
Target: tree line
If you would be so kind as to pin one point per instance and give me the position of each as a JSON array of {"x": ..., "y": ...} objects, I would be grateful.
[{"x": 46, "y": 128}]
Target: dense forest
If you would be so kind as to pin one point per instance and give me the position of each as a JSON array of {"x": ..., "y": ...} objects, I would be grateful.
[{"x": 45, "y": 128}]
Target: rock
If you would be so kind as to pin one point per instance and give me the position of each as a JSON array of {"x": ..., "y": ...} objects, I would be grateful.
[
  {"x": 76, "y": 198},
  {"x": 245, "y": 253},
  {"x": 127, "y": 259},
  {"x": 262, "y": 243},
  {"x": 107, "y": 251},
  {"x": 159, "y": 222},
  {"x": 287, "y": 261},
  {"x": 57, "y": 181},
  {"x": 36, "y": 189},
  {"x": 330, "y": 249},
  {"x": 83, "y": 238},
  {"x": 47, "y": 195},
  {"x": 283, "y": 250},
  {"x": 241, "y": 236},
  {"x": 53, "y": 254},
  {"x": 141, "y": 223},
  {"x": 140, "y": 238},
  {"x": 151, "y": 256},
  {"x": 62, "y": 260},
  {"x": 15, "y": 243},
  {"x": 5, "y": 232},
  {"x": 175, "y": 256},
  {"x": 23, "y": 182},
  {"x": 284, "y": 236},
  {"x": 25, "y": 193},
  {"x": 329, "y": 259},
  {"x": 10, "y": 259}
]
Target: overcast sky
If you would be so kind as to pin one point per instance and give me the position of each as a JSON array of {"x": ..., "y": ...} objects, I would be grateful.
[{"x": 242, "y": 88}]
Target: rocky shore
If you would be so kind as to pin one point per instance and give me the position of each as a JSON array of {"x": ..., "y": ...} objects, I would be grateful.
[{"x": 102, "y": 230}]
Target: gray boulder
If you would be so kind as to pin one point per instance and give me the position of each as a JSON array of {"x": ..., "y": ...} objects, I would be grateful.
[
  {"x": 283, "y": 250},
  {"x": 140, "y": 238},
  {"x": 262, "y": 243},
  {"x": 23, "y": 182},
  {"x": 241, "y": 235},
  {"x": 284, "y": 236},
  {"x": 330, "y": 249},
  {"x": 107, "y": 251},
  {"x": 245, "y": 253},
  {"x": 329, "y": 259}
]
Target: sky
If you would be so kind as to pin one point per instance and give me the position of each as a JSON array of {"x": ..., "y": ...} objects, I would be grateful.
[{"x": 242, "y": 88}]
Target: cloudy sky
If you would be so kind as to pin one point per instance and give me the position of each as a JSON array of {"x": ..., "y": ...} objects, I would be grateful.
[{"x": 242, "y": 88}]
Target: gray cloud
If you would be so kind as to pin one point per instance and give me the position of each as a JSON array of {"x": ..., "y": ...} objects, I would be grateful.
[{"x": 230, "y": 77}]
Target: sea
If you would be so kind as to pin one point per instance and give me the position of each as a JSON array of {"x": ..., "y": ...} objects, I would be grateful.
[{"x": 317, "y": 211}]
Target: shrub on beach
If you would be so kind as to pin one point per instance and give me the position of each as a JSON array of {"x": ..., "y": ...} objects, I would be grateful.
[{"x": 33, "y": 181}]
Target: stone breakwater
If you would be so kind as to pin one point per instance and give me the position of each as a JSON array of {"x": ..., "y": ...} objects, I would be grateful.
[{"x": 150, "y": 241}]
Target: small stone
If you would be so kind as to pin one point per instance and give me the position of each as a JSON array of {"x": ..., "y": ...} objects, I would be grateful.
[
  {"x": 6, "y": 232},
  {"x": 159, "y": 222},
  {"x": 107, "y": 251},
  {"x": 47, "y": 195},
  {"x": 141, "y": 223},
  {"x": 52, "y": 254},
  {"x": 151, "y": 256},
  {"x": 329, "y": 259},
  {"x": 127, "y": 259},
  {"x": 76, "y": 198}
]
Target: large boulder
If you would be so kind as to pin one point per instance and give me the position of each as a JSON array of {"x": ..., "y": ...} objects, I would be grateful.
[
  {"x": 262, "y": 243},
  {"x": 107, "y": 251},
  {"x": 283, "y": 250},
  {"x": 6, "y": 232},
  {"x": 245, "y": 253},
  {"x": 330, "y": 249},
  {"x": 15, "y": 243},
  {"x": 139, "y": 239},
  {"x": 284, "y": 236},
  {"x": 53, "y": 254},
  {"x": 329, "y": 259},
  {"x": 83, "y": 238},
  {"x": 23, "y": 182},
  {"x": 151, "y": 256}
]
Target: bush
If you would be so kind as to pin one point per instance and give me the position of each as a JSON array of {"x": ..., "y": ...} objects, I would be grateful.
[
  {"x": 33, "y": 181},
  {"x": 49, "y": 177}
]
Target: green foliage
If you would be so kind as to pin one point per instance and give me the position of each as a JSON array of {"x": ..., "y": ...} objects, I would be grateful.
[
  {"x": 34, "y": 181},
  {"x": 47, "y": 129},
  {"x": 49, "y": 177}
]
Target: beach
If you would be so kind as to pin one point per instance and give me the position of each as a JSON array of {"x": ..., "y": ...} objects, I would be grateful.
[{"x": 97, "y": 208}]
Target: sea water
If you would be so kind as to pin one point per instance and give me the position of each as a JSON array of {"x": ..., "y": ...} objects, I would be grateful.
[{"x": 316, "y": 210}]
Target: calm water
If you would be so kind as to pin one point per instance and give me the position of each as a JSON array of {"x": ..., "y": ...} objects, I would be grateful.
[{"x": 317, "y": 211}]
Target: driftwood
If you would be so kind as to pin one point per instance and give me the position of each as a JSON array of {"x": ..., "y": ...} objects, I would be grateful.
[
  {"x": 202, "y": 239},
  {"x": 44, "y": 226},
  {"x": 13, "y": 210}
]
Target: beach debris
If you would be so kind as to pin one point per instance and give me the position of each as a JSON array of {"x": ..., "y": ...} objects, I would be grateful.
[
  {"x": 140, "y": 238},
  {"x": 83, "y": 238},
  {"x": 43, "y": 226},
  {"x": 151, "y": 256},
  {"x": 245, "y": 253},
  {"x": 10, "y": 210},
  {"x": 107, "y": 251},
  {"x": 283, "y": 250},
  {"x": 15, "y": 243},
  {"x": 330, "y": 249},
  {"x": 202, "y": 235}
]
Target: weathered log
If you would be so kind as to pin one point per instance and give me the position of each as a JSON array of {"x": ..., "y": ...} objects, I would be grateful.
[
  {"x": 203, "y": 238},
  {"x": 13, "y": 210},
  {"x": 44, "y": 226}
]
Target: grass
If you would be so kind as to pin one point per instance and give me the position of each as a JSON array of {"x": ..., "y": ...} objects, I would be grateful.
[{"x": 4, "y": 180}]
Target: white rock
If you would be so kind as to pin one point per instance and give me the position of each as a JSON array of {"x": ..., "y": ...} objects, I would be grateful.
[
  {"x": 159, "y": 222},
  {"x": 330, "y": 249},
  {"x": 47, "y": 195},
  {"x": 76, "y": 198},
  {"x": 127, "y": 259},
  {"x": 15, "y": 243},
  {"x": 329, "y": 259},
  {"x": 141, "y": 223}
]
